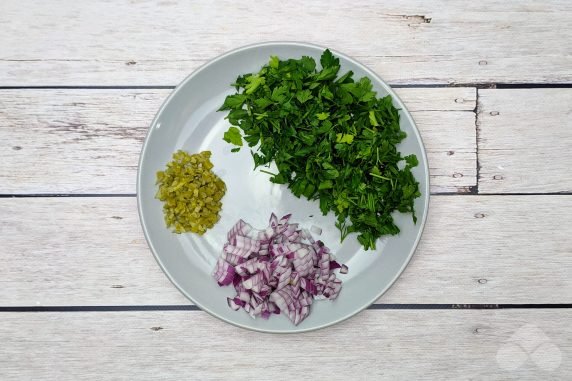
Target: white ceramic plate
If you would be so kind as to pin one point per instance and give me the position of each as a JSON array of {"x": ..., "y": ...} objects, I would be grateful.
[{"x": 189, "y": 120}]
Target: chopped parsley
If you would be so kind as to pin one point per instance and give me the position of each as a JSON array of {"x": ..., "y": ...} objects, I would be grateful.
[{"x": 332, "y": 139}]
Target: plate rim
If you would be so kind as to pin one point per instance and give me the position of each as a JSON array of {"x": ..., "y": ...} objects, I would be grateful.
[{"x": 370, "y": 73}]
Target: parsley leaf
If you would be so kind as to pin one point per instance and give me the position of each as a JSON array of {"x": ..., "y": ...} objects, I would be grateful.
[
  {"x": 233, "y": 102},
  {"x": 274, "y": 62},
  {"x": 344, "y": 138},
  {"x": 328, "y": 59},
  {"x": 233, "y": 136},
  {"x": 253, "y": 82},
  {"x": 304, "y": 95},
  {"x": 372, "y": 119}
]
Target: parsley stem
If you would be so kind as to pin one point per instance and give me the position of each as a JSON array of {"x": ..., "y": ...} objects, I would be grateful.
[
  {"x": 268, "y": 172},
  {"x": 370, "y": 130},
  {"x": 380, "y": 177}
]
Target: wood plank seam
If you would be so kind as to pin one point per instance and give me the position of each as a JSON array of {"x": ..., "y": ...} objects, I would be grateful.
[
  {"x": 478, "y": 85},
  {"x": 477, "y": 130},
  {"x": 375, "y": 306}
]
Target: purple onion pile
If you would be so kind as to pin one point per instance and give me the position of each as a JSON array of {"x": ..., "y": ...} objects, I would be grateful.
[{"x": 280, "y": 269}]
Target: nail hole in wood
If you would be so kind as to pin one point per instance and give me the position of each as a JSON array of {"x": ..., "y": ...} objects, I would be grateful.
[
  {"x": 476, "y": 331},
  {"x": 16, "y": 148},
  {"x": 459, "y": 100},
  {"x": 494, "y": 113},
  {"x": 129, "y": 63},
  {"x": 156, "y": 328},
  {"x": 482, "y": 281},
  {"x": 457, "y": 175},
  {"x": 497, "y": 177},
  {"x": 479, "y": 215},
  {"x": 483, "y": 63},
  {"x": 417, "y": 19},
  {"x": 450, "y": 153}
]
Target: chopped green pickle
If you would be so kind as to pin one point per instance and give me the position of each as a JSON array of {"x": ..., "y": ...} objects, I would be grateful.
[{"x": 191, "y": 193}]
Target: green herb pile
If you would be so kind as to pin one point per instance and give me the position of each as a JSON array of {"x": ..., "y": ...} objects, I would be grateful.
[{"x": 332, "y": 140}]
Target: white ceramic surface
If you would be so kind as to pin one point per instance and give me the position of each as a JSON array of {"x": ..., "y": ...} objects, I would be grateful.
[{"x": 188, "y": 120}]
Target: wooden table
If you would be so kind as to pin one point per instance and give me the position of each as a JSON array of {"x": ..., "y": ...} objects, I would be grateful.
[{"x": 488, "y": 294}]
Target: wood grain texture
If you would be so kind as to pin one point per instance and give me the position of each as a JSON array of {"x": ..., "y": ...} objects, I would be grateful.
[
  {"x": 160, "y": 42},
  {"x": 525, "y": 140},
  {"x": 88, "y": 141},
  {"x": 475, "y": 249},
  {"x": 428, "y": 345}
]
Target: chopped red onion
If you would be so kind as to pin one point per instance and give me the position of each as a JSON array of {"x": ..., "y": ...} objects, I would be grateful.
[
  {"x": 223, "y": 273},
  {"x": 316, "y": 230},
  {"x": 280, "y": 269}
]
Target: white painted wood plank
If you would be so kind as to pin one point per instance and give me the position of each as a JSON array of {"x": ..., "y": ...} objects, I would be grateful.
[
  {"x": 392, "y": 344},
  {"x": 438, "y": 99},
  {"x": 475, "y": 249},
  {"x": 88, "y": 141},
  {"x": 159, "y": 42},
  {"x": 525, "y": 136},
  {"x": 58, "y": 141}
]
